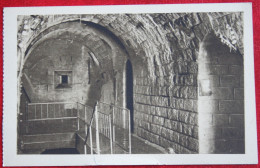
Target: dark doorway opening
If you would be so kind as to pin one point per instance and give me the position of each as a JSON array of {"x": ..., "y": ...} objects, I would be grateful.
[{"x": 129, "y": 92}]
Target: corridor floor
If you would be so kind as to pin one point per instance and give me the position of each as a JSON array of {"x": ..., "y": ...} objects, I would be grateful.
[
  {"x": 121, "y": 144},
  {"x": 140, "y": 146}
]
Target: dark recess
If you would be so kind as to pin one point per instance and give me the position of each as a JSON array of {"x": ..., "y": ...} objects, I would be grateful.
[{"x": 129, "y": 92}]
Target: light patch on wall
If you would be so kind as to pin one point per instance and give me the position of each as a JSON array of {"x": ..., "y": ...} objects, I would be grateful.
[{"x": 205, "y": 88}]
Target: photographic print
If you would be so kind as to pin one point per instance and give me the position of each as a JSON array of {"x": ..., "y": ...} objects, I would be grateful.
[{"x": 128, "y": 84}]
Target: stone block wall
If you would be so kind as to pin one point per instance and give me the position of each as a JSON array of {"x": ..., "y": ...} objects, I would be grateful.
[
  {"x": 166, "y": 106},
  {"x": 167, "y": 115}
]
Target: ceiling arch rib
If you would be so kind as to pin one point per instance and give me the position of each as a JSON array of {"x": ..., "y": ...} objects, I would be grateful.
[{"x": 97, "y": 47}]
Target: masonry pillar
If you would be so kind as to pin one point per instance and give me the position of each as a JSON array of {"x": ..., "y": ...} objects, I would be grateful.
[{"x": 221, "y": 98}]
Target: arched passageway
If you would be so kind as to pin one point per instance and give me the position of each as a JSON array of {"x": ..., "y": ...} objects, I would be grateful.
[
  {"x": 70, "y": 62},
  {"x": 82, "y": 55}
]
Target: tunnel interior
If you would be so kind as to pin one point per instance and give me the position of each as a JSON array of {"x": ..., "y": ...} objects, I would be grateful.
[{"x": 162, "y": 67}]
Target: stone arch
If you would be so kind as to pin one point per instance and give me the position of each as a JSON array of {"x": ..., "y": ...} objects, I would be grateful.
[
  {"x": 106, "y": 41},
  {"x": 220, "y": 99}
]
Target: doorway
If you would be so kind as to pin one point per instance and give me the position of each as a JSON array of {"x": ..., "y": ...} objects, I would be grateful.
[{"x": 129, "y": 92}]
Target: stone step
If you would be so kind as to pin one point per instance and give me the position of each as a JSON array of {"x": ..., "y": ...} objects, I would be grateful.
[
  {"x": 48, "y": 137},
  {"x": 48, "y": 126},
  {"x": 47, "y": 141}
]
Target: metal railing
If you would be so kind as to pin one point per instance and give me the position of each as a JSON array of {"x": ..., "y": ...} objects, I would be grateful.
[
  {"x": 85, "y": 127},
  {"x": 120, "y": 124},
  {"x": 104, "y": 125},
  {"x": 50, "y": 111}
]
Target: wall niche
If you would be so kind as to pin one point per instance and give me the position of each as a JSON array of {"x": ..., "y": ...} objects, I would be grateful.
[{"x": 62, "y": 79}]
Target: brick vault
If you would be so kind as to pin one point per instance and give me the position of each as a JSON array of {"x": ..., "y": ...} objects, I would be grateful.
[{"x": 180, "y": 74}]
